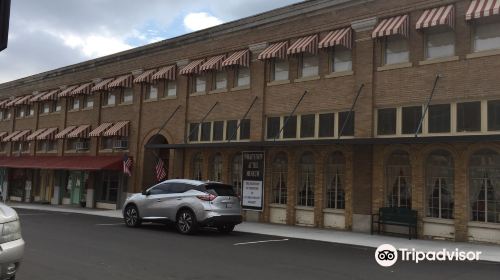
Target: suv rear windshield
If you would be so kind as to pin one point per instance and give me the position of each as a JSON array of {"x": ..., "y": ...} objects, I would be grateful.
[{"x": 220, "y": 189}]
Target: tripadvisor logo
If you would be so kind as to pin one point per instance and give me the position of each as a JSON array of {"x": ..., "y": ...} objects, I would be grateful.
[{"x": 387, "y": 255}]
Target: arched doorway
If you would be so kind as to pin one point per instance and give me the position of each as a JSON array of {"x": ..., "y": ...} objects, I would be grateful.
[{"x": 151, "y": 157}]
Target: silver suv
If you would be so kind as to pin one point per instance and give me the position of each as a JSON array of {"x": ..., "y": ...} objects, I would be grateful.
[{"x": 190, "y": 204}]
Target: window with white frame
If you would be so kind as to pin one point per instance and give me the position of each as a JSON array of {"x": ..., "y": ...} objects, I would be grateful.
[
  {"x": 206, "y": 130},
  {"x": 197, "y": 167},
  {"x": 309, "y": 65},
  {"x": 279, "y": 70},
  {"x": 151, "y": 92},
  {"x": 484, "y": 187},
  {"x": 486, "y": 36},
  {"x": 107, "y": 143},
  {"x": 217, "y": 168},
  {"x": 341, "y": 59},
  {"x": 440, "y": 182},
  {"x": 127, "y": 95},
  {"x": 326, "y": 125},
  {"x": 469, "y": 116},
  {"x": 307, "y": 126},
  {"x": 290, "y": 127},
  {"x": 279, "y": 179},
  {"x": 218, "y": 131},
  {"x": 231, "y": 130},
  {"x": 243, "y": 76},
  {"x": 220, "y": 80},
  {"x": 386, "y": 121},
  {"x": 398, "y": 172},
  {"x": 411, "y": 119},
  {"x": 215, "y": 131},
  {"x": 346, "y": 123},
  {"x": 236, "y": 176},
  {"x": 199, "y": 84},
  {"x": 396, "y": 50},
  {"x": 439, "y": 42},
  {"x": 305, "y": 189},
  {"x": 273, "y": 127},
  {"x": 439, "y": 117},
  {"x": 493, "y": 115},
  {"x": 170, "y": 88},
  {"x": 193, "y": 132},
  {"x": 335, "y": 181}
]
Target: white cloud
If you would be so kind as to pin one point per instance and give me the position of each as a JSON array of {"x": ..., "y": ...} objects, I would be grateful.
[
  {"x": 95, "y": 45},
  {"x": 199, "y": 21}
]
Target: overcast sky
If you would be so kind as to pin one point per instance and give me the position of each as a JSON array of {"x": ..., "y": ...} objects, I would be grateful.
[{"x": 48, "y": 34}]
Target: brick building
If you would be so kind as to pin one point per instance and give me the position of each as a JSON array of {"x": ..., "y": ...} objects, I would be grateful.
[{"x": 361, "y": 137}]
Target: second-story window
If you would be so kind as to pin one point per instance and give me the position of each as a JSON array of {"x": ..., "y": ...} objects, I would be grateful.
[
  {"x": 439, "y": 116},
  {"x": 109, "y": 99},
  {"x": 151, "y": 92},
  {"x": 341, "y": 59},
  {"x": 396, "y": 50},
  {"x": 57, "y": 105},
  {"x": 279, "y": 71},
  {"x": 411, "y": 119},
  {"x": 469, "y": 116},
  {"x": 220, "y": 80},
  {"x": 439, "y": 43},
  {"x": 45, "y": 108},
  {"x": 127, "y": 96},
  {"x": 486, "y": 36},
  {"x": 88, "y": 101},
  {"x": 74, "y": 103},
  {"x": 170, "y": 89},
  {"x": 243, "y": 76},
  {"x": 199, "y": 84},
  {"x": 309, "y": 65},
  {"x": 386, "y": 121}
]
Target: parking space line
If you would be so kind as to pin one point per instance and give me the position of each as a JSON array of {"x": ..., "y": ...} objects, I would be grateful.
[{"x": 262, "y": 241}]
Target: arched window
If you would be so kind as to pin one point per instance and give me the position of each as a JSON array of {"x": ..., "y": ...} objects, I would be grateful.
[
  {"x": 216, "y": 166},
  {"x": 335, "y": 181},
  {"x": 236, "y": 174},
  {"x": 439, "y": 185},
  {"x": 484, "y": 187},
  {"x": 198, "y": 167},
  {"x": 279, "y": 179},
  {"x": 305, "y": 190},
  {"x": 398, "y": 172}
]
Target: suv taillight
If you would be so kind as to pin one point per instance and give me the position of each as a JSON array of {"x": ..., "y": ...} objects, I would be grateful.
[{"x": 207, "y": 197}]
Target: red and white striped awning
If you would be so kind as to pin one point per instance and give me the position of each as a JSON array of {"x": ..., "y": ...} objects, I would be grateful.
[
  {"x": 12, "y": 102},
  {"x": 118, "y": 129},
  {"x": 35, "y": 134},
  {"x": 213, "y": 63},
  {"x": 48, "y": 134},
  {"x": 339, "y": 37},
  {"x": 165, "y": 73},
  {"x": 65, "y": 132},
  {"x": 4, "y": 102},
  {"x": 37, "y": 96},
  {"x": 398, "y": 25},
  {"x": 444, "y": 15},
  {"x": 65, "y": 92},
  {"x": 80, "y": 132},
  {"x": 100, "y": 129},
  {"x": 51, "y": 95},
  {"x": 308, "y": 44},
  {"x": 23, "y": 100},
  {"x": 145, "y": 77},
  {"x": 192, "y": 68},
  {"x": 83, "y": 89},
  {"x": 21, "y": 136},
  {"x": 122, "y": 81},
  {"x": 10, "y": 136},
  {"x": 276, "y": 50},
  {"x": 3, "y": 134},
  {"x": 102, "y": 85},
  {"x": 239, "y": 58},
  {"x": 482, "y": 8}
]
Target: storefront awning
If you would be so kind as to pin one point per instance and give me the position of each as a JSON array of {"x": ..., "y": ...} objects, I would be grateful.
[
  {"x": 239, "y": 58},
  {"x": 482, "y": 8},
  {"x": 9, "y": 137},
  {"x": 124, "y": 81},
  {"x": 392, "y": 26},
  {"x": 276, "y": 50},
  {"x": 444, "y": 15},
  {"x": 48, "y": 134},
  {"x": 3, "y": 134},
  {"x": 339, "y": 37},
  {"x": 165, "y": 73},
  {"x": 65, "y": 132},
  {"x": 102, "y": 85},
  {"x": 118, "y": 129},
  {"x": 100, "y": 129},
  {"x": 80, "y": 132},
  {"x": 21, "y": 136},
  {"x": 23, "y": 100},
  {"x": 12, "y": 102},
  {"x": 83, "y": 89},
  {"x": 37, "y": 96},
  {"x": 89, "y": 163},
  {"x": 35, "y": 134},
  {"x": 65, "y": 92},
  {"x": 192, "y": 68},
  {"x": 51, "y": 95},
  {"x": 145, "y": 77},
  {"x": 213, "y": 63},
  {"x": 307, "y": 44},
  {"x": 4, "y": 102}
]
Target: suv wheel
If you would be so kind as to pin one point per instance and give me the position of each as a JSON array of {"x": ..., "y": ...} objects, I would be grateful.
[
  {"x": 131, "y": 216},
  {"x": 225, "y": 228},
  {"x": 186, "y": 222}
]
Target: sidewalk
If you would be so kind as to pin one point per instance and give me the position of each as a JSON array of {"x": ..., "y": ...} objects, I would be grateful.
[{"x": 490, "y": 252}]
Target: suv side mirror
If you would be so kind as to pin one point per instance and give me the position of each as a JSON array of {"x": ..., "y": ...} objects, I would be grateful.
[{"x": 145, "y": 192}]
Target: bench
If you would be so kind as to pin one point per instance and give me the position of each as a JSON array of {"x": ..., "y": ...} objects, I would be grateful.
[{"x": 396, "y": 216}]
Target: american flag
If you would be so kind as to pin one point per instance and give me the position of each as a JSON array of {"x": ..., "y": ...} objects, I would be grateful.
[
  {"x": 127, "y": 165},
  {"x": 160, "y": 170}
]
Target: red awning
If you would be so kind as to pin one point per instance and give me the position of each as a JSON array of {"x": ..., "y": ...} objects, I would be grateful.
[
  {"x": 51, "y": 95},
  {"x": 213, "y": 63},
  {"x": 339, "y": 37},
  {"x": 145, "y": 77},
  {"x": 66, "y": 162},
  {"x": 192, "y": 68},
  {"x": 118, "y": 129},
  {"x": 102, "y": 85},
  {"x": 65, "y": 92},
  {"x": 124, "y": 81},
  {"x": 37, "y": 96},
  {"x": 307, "y": 44},
  {"x": 166, "y": 73},
  {"x": 393, "y": 26},
  {"x": 239, "y": 58},
  {"x": 482, "y": 8},
  {"x": 83, "y": 89},
  {"x": 444, "y": 15},
  {"x": 276, "y": 50}
]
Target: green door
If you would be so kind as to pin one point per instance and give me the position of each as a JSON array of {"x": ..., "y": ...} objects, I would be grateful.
[{"x": 75, "y": 183}]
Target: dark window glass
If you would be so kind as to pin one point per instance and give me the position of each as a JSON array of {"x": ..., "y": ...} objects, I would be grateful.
[
  {"x": 326, "y": 125},
  {"x": 220, "y": 189},
  {"x": 386, "y": 123},
  {"x": 160, "y": 189},
  {"x": 290, "y": 127},
  {"x": 468, "y": 116},
  {"x": 307, "y": 124},
  {"x": 231, "y": 127},
  {"x": 349, "y": 123},
  {"x": 439, "y": 118},
  {"x": 411, "y": 119},
  {"x": 193, "y": 129},
  {"x": 494, "y": 115},
  {"x": 206, "y": 127},
  {"x": 245, "y": 129},
  {"x": 219, "y": 131},
  {"x": 177, "y": 188},
  {"x": 273, "y": 127}
]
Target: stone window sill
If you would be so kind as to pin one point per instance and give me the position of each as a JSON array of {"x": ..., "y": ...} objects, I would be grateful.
[
  {"x": 306, "y": 79},
  {"x": 483, "y": 54},
  {"x": 439, "y": 60},
  {"x": 395, "y": 66},
  {"x": 334, "y": 211},
  {"x": 169, "y": 97},
  {"x": 126, "y": 104},
  {"x": 438, "y": 221},
  {"x": 276, "y": 83},
  {"x": 305, "y": 208},
  {"x": 484, "y": 225},
  {"x": 150, "y": 100},
  {"x": 276, "y": 205},
  {"x": 339, "y": 74},
  {"x": 88, "y": 109},
  {"x": 240, "y": 88},
  {"x": 220, "y": 90},
  {"x": 200, "y": 93},
  {"x": 108, "y": 106}
]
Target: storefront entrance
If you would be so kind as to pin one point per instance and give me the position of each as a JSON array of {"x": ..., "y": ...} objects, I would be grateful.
[
  {"x": 46, "y": 185},
  {"x": 75, "y": 190}
]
